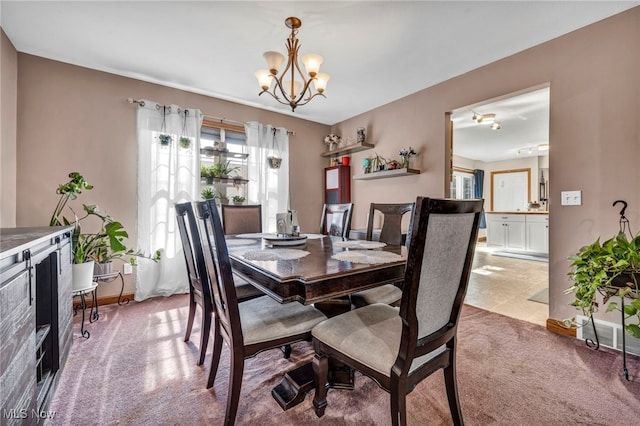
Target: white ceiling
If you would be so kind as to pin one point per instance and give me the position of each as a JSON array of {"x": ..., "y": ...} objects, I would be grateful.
[
  {"x": 524, "y": 121},
  {"x": 375, "y": 51}
]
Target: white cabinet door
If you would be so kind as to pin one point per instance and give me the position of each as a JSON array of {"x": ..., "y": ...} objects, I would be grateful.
[
  {"x": 496, "y": 232},
  {"x": 538, "y": 233},
  {"x": 515, "y": 235}
]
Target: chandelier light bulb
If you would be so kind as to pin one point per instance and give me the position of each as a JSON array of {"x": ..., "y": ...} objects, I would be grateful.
[
  {"x": 312, "y": 63},
  {"x": 264, "y": 79},
  {"x": 274, "y": 61}
]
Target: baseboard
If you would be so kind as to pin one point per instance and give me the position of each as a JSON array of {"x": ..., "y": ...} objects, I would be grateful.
[
  {"x": 106, "y": 300},
  {"x": 558, "y": 327}
]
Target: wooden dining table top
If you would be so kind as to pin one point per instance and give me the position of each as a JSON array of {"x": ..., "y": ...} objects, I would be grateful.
[{"x": 316, "y": 276}]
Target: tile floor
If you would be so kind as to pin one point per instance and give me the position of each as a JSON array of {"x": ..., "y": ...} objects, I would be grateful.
[{"x": 503, "y": 284}]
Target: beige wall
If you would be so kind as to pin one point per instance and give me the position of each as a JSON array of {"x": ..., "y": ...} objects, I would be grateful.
[
  {"x": 8, "y": 100},
  {"x": 75, "y": 119},
  {"x": 594, "y": 134}
]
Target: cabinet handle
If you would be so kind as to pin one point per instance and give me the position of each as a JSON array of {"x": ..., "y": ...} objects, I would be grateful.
[
  {"x": 27, "y": 258},
  {"x": 59, "y": 252}
]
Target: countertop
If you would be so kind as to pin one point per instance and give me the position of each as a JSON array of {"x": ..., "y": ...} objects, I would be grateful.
[
  {"x": 520, "y": 212},
  {"x": 15, "y": 240}
]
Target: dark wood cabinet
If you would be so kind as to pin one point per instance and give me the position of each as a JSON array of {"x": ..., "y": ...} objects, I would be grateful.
[{"x": 337, "y": 184}]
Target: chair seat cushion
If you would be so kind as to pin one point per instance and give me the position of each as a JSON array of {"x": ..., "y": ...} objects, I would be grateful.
[
  {"x": 387, "y": 294},
  {"x": 264, "y": 319},
  {"x": 370, "y": 335}
]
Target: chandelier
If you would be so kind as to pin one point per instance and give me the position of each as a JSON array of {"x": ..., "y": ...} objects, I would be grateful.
[
  {"x": 486, "y": 119},
  {"x": 292, "y": 87}
]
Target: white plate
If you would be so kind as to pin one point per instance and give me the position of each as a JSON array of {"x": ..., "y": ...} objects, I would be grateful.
[{"x": 285, "y": 241}]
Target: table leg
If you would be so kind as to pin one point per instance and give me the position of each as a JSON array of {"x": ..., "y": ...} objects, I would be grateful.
[
  {"x": 624, "y": 344},
  {"x": 94, "y": 315},
  {"x": 295, "y": 384}
]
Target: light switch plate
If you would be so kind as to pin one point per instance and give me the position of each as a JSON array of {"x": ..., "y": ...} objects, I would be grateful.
[
  {"x": 571, "y": 198},
  {"x": 127, "y": 269}
]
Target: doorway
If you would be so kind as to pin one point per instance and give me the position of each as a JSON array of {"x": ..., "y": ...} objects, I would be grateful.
[{"x": 510, "y": 276}]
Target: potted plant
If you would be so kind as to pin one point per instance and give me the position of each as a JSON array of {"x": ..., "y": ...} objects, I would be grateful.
[
  {"x": 222, "y": 198},
  {"x": 238, "y": 199},
  {"x": 206, "y": 172},
  {"x": 207, "y": 193},
  {"x": 611, "y": 269},
  {"x": 107, "y": 244},
  {"x": 184, "y": 142},
  {"x": 222, "y": 169},
  {"x": 165, "y": 139}
]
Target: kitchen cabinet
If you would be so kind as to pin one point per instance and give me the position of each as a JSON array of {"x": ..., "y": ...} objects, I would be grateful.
[
  {"x": 506, "y": 231},
  {"x": 537, "y": 233},
  {"x": 518, "y": 232}
]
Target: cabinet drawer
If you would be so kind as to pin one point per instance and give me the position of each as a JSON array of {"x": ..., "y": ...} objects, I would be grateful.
[
  {"x": 538, "y": 218},
  {"x": 494, "y": 217}
]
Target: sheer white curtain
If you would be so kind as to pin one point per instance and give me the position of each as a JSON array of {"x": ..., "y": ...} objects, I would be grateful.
[
  {"x": 168, "y": 173},
  {"x": 268, "y": 187}
]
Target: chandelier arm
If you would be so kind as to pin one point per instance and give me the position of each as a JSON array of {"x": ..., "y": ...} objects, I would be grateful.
[
  {"x": 274, "y": 96},
  {"x": 306, "y": 101},
  {"x": 282, "y": 91}
]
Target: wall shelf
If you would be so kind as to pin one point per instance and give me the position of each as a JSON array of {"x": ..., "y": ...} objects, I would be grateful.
[
  {"x": 348, "y": 149},
  {"x": 209, "y": 152},
  {"x": 230, "y": 180},
  {"x": 387, "y": 174}
]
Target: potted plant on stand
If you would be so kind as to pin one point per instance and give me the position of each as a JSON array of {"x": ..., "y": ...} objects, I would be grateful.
[
  {"x": 88, "y": 249},
  {"x": 608, "y": 269}
]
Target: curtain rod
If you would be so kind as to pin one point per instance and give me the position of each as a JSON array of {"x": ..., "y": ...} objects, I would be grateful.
[
  {"x": 210, "y": 117},
  {"x": 226, "y": 120}
]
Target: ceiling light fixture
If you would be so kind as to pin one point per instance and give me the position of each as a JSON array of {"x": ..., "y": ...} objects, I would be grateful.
[
  {"x": 486, "y": 119},
  {"x": 290, "y": 89},
  {"x": 531, "y": 150}
]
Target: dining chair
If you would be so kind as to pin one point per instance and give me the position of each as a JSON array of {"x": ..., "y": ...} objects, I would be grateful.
[
  {"x": 400, "y": 348},
  {"x": 390, "y": 233},
  {"x": 336, "y": 219},
  {"x": 200, "y": 293},
  {"x": 241, "y": 219},
  {"x": 249, "y": 327}
]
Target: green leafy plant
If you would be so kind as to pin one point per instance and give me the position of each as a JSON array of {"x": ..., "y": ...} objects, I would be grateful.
[
  {"x": 222, "y": 197},
  {"x": 238, "y": 199},
  {"x": 184, "y": 142},
  {"x": 68, "y": 191},
  {"x": 108, "y": 243},
  {"x": 611, "y": 269},
  {"x": 223, "y": 169},
  {"x": 207, "y": 194}
]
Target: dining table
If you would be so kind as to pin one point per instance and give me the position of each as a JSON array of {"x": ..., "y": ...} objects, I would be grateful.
[{"x": 316, "y": 270}]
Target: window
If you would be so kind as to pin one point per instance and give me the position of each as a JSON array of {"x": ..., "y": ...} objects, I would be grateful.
[
  {"x": 462, "y": 185},
  {"x": 215, "y": 137}
]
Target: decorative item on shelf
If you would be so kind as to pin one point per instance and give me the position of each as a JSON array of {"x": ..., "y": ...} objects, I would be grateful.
[
  {"x": 238, "y": 200},
  {"x": 222, "y": 198},
  {"x": 406, "y": 154},
  {"x": 223, "y": 169},
  {"x": 207, "y": 193},
  {"x": 184, "y": 141},
  {"x": 331, "y": 141},
  {"x": 533, "y": 205},
  {"x": 294, "y": 92},
  {"x": 366, "y": 165},
  {"x": 378, "y": 163},
  {"x": 393, "y": 165},
  {"x": 206, "y": 172},
  {"x": 220, "y": 146},
  {"x": 345, "y": 160},
  {"x": 360, "y": 133}
]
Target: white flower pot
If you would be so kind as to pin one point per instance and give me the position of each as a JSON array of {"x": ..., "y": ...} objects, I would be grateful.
[{"x": 82, "y": 275}]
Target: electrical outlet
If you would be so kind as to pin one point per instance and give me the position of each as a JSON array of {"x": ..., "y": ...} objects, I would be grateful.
[
  {"x": 127, "y": 269},
  {"x": 571, "y": 198}
]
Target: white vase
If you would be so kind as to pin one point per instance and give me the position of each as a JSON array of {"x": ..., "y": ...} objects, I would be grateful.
[{"x": 82, "y": 276}]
